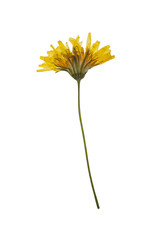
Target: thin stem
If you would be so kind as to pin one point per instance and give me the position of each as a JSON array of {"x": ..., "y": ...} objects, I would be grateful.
[{"x": 83, "y": 135}]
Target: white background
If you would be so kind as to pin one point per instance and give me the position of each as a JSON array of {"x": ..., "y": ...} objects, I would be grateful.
[{"x": 45, "y": 191}]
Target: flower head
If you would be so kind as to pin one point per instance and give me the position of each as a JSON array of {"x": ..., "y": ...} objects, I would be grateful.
[{"x": 78, "y": 61}]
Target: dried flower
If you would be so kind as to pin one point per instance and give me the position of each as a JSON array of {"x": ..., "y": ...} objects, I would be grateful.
[{"x": 77, "y": 63}]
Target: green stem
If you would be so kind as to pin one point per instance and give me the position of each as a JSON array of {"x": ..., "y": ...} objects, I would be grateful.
[{"x": 91, "y": 181}]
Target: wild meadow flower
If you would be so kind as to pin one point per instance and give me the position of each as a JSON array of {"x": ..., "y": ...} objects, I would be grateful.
[{"x": 77, "y": 62}]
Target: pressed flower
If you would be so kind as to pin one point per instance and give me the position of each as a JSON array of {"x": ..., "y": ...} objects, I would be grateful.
[{"x": 77, "y": 62}]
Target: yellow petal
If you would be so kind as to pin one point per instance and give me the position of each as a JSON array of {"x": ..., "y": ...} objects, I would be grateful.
[
  {"x": 67, "y": 47},
  {"x": 103, "y": 50},
  {"x": 95, "y": 46},
  {"x": 52, "y": 47},
  {"x": 43, "y": 58},
  {"x": 50, "y": 53},
  {"x": 76, "y": 44},
  {"x": 77, "y": 39},
  {"x": 73, "y": 41},
  {"x": 88, "y": 44},
  {"x": 62, "y": 46}
]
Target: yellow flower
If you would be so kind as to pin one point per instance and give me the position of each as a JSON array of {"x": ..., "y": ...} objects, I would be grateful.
[{"x": 76, "y": 62}]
